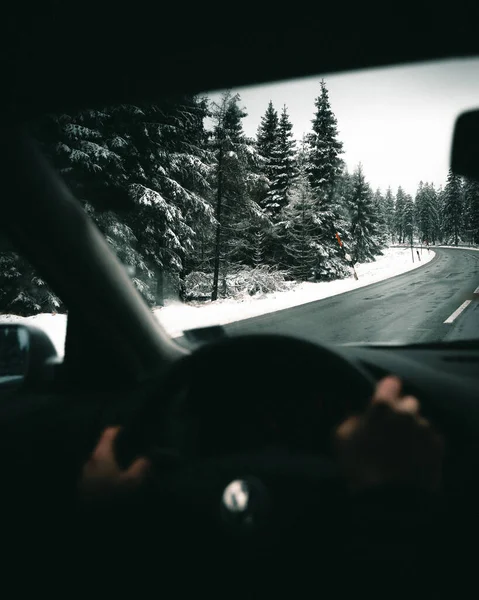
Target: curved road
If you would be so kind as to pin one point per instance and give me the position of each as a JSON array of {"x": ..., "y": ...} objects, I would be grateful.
[{"x": 408, "y": 308}]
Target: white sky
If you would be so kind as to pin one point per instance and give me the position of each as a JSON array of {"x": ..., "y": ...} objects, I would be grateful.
[{"x": 397, "y": 121}]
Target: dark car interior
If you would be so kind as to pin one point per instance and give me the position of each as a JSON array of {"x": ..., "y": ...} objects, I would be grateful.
[{"x": 204, "y": 416}]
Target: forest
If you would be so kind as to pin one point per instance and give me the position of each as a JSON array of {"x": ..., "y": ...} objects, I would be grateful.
[{"x": 208, "y": 213}]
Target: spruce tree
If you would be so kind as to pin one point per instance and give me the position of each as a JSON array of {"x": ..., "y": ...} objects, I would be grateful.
[
  {"x": 399, "y": 215},
  {"x": 452, "y": 209},
  {"x": 235, "y": 178},
  {"x": 143, "y": 172},
  {"x": 389, "y": 213},
  {"x": 324, "y": 167},
  {"x": 380, "y": 215},
  {"x": 426, "y": 211},
  {"x": 471, "y": 196},
  {"x": 408, "y": 219},
  {"x": 267, "y": 139},
  {"x": 296, "y": 232},
  {"x": 364, "y": 241},
  {"x": 286, "y": 168},
  {"x": 324, "y": 162}
]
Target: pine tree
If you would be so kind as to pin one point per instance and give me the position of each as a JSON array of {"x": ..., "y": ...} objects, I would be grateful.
[
  {"x": 471, "y": 196},
  {"x": 453, "y": 207},
  {"x": 286, "y": 168},
  {"x": 408, "y": 219},
  {"x": 389, "y": 213},
  {"x": 426, "y": 212},
  {"x": 325, "y": 164},
  {"x": 296, "y": 231},
  {"x": 364, "y": 242},
  {"x": 435, "y": 214},
  {"x": 324, "y": 167},
  {"x": 379, "y": 206},
  {"x": 267, "y": 139},
  {"x": 399, "y": 215},
  {"x": 148, "y": 167},
  {"x": 343, "y": 192},
  {"x": 439, "y": 233},
  {"x": 236, "y": 175},
  {"x": 22, "y": 291}
]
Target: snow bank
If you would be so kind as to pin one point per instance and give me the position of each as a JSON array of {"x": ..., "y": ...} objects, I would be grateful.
[
  {"x": 178, "y": 317},
  {"x": 461, "y": 247}
]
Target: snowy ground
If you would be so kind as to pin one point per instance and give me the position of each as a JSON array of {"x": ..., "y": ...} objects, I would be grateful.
[{"x": 177, "y": 317}]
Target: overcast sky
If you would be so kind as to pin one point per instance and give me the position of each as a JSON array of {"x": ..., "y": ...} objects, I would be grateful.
[{"x": 397, "y": 121}]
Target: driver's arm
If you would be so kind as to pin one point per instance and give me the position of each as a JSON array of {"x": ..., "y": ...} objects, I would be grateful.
[
  {"x": 392, "y": 460},
  {"x": 390, "y": 444}
]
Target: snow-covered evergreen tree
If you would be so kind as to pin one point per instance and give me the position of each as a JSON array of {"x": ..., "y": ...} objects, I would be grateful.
[
  {"x": 276, "y": 147},
  {"x": 379, "y": 206},
  {"x": 296, "y": 232},
  {"x": 340, "y": 200},
  {"x": 267, "y": 139},
  {"x": 324, "y": 161},
  {"x": 452, "y": 209},
  {"x": 235, "y": 180},
  {"x": 286, "y": 168},
  {"x": 399, "y": 215},
  {"x": 426, "y": 212},
  {"x": 364, "y": 237},
  {"x": 149, "y": 167},
  {"x": 435, "y": 214},
  {"x": 471, "y": 196},
  {"x": 408, "y": 219},
  {"x": 22, "y": 291},
  {"x": 439, "y": 232},
  {"x": 389, "y": 213},
  {"x": 324, "y": 167}
]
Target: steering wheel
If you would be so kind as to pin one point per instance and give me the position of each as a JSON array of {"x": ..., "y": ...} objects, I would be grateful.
[{"x": 249, "y": 420}]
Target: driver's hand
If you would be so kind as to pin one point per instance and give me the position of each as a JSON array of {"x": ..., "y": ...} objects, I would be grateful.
[
  {"x": 390, "y": 443},
  {"x": 102, "y": 477}
]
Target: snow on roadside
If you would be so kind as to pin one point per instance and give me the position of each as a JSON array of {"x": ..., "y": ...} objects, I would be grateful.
[
  {"x": 177, "y": 317},
  {"x": 461, "y": 247}
]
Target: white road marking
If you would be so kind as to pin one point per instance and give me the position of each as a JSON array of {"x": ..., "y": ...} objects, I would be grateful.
[
  {"x": 476, "y": 291},
  {"x": 457, "y": 312}
]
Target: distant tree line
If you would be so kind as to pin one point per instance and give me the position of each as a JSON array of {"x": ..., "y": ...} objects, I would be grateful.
[{"x": 210, "y": 211}]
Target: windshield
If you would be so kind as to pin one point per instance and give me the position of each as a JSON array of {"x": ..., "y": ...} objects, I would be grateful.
[{"x": 322, "y": 208}]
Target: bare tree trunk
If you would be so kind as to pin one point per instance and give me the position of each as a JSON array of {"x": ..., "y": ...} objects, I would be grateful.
[{"x": 219, "y": 202}]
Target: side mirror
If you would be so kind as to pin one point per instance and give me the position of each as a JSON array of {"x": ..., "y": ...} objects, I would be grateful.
[
  {"x": 27, "y": 356},
  {"x": 465, "y": 145}
]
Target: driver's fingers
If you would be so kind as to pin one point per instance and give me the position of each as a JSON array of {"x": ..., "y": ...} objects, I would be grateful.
[
  {"x": 347, "y": 428},
  {"x": 137, "y": 471},
  {"x": 388, "y": 390},
  {"x": 408, "y": 404},
  {"x": 104, "y": 447}
]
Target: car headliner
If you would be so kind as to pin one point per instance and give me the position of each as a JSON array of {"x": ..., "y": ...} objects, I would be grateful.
[{"x": 58, "y": 56}]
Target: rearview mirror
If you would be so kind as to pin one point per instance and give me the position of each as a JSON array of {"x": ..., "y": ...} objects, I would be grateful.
[
  {"x": 465, "y": 145},
  {"x": 26, "y": 355}
]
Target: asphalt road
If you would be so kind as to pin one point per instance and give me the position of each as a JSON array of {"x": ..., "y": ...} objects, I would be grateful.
[{"x": 409, "y": 308}]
